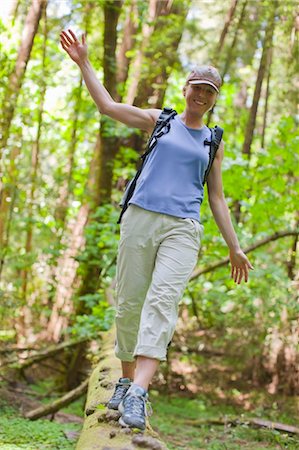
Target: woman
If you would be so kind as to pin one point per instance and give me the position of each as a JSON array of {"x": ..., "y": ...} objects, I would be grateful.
[{"x": 161, "y": 229}]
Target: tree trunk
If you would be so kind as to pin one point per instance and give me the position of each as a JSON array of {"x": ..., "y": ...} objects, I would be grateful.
[
  {"x": 291, "y": 262},
  {"x": 266, "y": 97},
  {"x": 170, "y": 17},
  {"x": 127, "y": 44},
  {"x": 258, "y": 85},
  {"x": 227, "y": 23},
  {"x": 231, "y": 48},
  {"x": 9, "y": 104},
  {"x": 65, "y": 189},
  {"x": 24, "y": 320},
  {"x": 72, "y": 233},
  {"x": 106, "y": 146},
  {"x": 234, "y": 41},
  {"x": 17, "y": 75}
]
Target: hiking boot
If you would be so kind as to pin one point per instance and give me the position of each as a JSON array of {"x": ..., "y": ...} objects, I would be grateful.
[
  {"x": 134, "y": 407},
  {"x": 121, "y": 389}
]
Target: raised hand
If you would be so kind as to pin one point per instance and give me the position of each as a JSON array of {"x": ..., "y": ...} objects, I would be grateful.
[{"x": 76, "y": 50}]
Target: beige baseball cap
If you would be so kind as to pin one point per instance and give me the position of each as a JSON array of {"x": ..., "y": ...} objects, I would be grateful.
[{"x": 205, "y": 75}]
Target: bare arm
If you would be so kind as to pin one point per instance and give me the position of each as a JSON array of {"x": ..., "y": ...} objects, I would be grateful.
[
  {"x": 132, "y": 116},
  {"x": 239, "y": 261}
]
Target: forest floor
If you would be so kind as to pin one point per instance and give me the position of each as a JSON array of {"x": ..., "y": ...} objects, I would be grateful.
[{"x": 188, "y": 395}]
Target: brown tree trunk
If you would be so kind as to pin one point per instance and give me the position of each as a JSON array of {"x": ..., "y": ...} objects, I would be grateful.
[
  {"x": 127, "y": 43},
  {"x": 7, "y": 206},
  {"x": 72, "y": 234},
  {"x": 291, "y": 262},
  {"x": 258, "y": 85},
  {"x": 227, "y": 23},
  {"x": 106, "y": 146},
  {"x": 9, "y": 104},
  {"x": 147, "y": 30},
  {"x": 24, "y": 319},
  {"x": 266, "y": 97},
  {"x": 66, "y": 277},
  {"x": 65, "y": 188},
  {"x": 231, "y": 48},
  {"x": 17, "y": 75},
  {"x": 151, "y": 85},
  {"x": 234, "y": 41},
  {"x": 169, "y": 22}
]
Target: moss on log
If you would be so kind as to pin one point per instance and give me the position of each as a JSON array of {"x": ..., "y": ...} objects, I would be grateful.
[{"x": 101, "y": 430}]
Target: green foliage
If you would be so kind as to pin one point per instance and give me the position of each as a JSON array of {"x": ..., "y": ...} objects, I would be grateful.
[
  {"x": 19, "y": 433},
  {"x": 89, "y": 325}
]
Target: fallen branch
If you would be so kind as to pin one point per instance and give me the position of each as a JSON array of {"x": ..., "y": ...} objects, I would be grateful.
[
  {"x": 15, "y": 348},
  {"x": 280, "y": 234},
  {"x": 58, "y": 404},
  {"x": 41, "y": 355},
  {"x": 256, "y": 422}
]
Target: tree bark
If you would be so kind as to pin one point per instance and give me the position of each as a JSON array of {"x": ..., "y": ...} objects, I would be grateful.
[
  {"x": 269, "y": 63},
  {"x": 8, "y": 108},
  {"x": 227, "y": 23},
  {"x": 291, "y": 262},
  {"x": 24, "y": 320},
  {"x": 127, "y": 44},
  {"x": 267, "y": 45},
  {"x": 17, "y": 75},
  {"x": 169, "y": 22},
  {"x": 230, "y": 49},
  {"x": 72, "y": 233}
]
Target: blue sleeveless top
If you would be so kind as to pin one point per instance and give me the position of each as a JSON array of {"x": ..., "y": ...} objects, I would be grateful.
[{"x": 171, "y": 181}]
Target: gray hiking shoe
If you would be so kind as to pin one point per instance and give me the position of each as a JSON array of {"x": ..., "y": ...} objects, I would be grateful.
[
  {"x": 134, "y": 408},
  {"x": 121, "y": 389}
]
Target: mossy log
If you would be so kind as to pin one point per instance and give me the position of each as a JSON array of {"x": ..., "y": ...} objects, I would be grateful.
[{"x": 101, "y": 430}]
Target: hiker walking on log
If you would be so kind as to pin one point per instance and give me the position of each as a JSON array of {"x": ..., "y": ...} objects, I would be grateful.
[{"x": 160, "y": 231}]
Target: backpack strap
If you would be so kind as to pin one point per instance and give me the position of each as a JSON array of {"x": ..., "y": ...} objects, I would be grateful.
[
  {"x": 162, "y": 127},
  {"x": 216, "y": 136}
]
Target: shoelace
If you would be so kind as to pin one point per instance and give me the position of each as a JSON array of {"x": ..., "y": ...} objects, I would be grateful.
[
  {"x": 120, "y": 390},
  {"x": 138, "y": 405}
]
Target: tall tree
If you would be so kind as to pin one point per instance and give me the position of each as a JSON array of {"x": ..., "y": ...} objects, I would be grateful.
[
  {"x": 9, "y": 104},
  {"x": 17, "y": 75},
  {"x": 7, "y": 190},
  {"x": 24, "y": 320},
  {"x": 267, "y": 45}
]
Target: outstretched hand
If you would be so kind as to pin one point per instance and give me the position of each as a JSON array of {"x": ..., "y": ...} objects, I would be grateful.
[
  {"x": 240, "y": 265},
  {"x": 76, "y": 50}
]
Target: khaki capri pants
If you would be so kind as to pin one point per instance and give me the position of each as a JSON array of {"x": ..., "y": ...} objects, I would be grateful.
[{"x": 156, "y": 256}]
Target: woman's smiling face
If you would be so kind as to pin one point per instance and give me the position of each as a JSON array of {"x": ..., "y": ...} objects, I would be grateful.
[{"x": 199, "y": 97}]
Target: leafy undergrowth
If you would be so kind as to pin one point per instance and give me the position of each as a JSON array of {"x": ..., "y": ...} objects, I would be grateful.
[
  {"x": 16, "y": 432},
  {"x": 184, "y": 424}
]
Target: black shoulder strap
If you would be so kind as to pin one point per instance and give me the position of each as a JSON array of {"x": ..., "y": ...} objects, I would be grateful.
[
  {"x": 162, "y": 127},
  {"x": 216, "y": 136}
]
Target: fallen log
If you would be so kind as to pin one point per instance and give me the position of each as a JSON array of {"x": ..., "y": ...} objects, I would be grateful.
[
  {"x": 255, "y": 422},
  {"x": 41, "y": 355},
  {"x": 101, "y": 429},
  {"x": 59, "y": 403}
]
